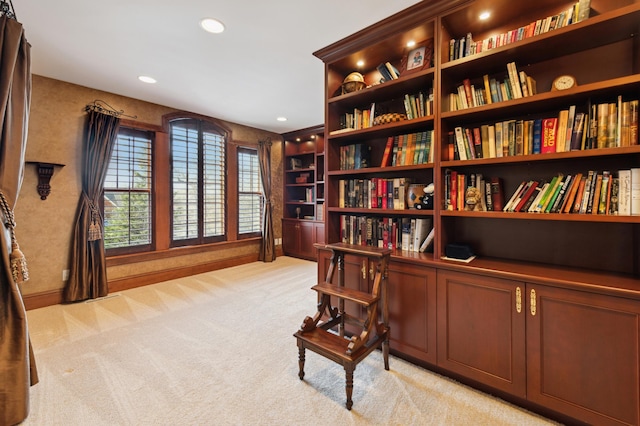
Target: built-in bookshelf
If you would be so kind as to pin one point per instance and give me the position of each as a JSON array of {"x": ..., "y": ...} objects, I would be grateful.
[
  {"x": 545, "y": 96},
  {"x": 303, "y": 192}
]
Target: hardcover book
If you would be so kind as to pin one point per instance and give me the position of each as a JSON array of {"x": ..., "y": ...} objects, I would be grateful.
[
  {"x": 497, "y": 195},
  {"x": 624, "y": 197},
  {"x": 549, "y": 135},
  {"x": 635, "y": 191},
  {"x": 577, "y": 132},
  {"x": 387, "y": 152}
]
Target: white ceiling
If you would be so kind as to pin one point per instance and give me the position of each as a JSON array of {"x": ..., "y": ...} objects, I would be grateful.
[{"x": 260, "y": 68}]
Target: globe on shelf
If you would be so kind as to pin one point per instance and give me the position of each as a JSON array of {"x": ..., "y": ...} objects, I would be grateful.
[{"x": 353, "y": 82}]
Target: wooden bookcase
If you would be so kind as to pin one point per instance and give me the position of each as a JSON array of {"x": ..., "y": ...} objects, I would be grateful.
[
  {"x": 303, "y": 213},
  {"x": 538, "y": 279}
]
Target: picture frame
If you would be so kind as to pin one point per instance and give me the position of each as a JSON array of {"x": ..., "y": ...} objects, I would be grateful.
[{"x": 418, "y": 57}]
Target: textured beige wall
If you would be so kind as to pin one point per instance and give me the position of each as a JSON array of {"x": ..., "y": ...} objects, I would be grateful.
[{"x": 56, "y": 129}]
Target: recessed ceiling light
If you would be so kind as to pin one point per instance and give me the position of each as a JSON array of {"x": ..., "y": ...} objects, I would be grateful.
[
  {"x": 147, "y": 79},
  {"x": 281, "y": 118},
  {"x": 411, "y": 43},
  {"x": 212, "y": 25},
  {"x": 484, "y": 16},
  {"x": 360, "y": 63}
]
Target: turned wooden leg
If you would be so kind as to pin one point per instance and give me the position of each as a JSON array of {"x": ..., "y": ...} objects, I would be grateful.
[
  {"x": 385, "y": 353},
  {"x": 301, "y": 360},
  {"x": 349, "y": 382}
]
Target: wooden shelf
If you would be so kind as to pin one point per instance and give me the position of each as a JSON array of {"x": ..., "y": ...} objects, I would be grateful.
[
  {"x": 570, "y": 217},
  {"x": 537, "y": 276},
  {"x": 299, "y": 235}
]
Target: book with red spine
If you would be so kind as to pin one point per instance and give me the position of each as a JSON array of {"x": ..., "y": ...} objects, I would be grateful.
[
  {"x": 497, "y": 194},
  {"x": 549, "y": 127},
  {"x": 387, "y": 152}
]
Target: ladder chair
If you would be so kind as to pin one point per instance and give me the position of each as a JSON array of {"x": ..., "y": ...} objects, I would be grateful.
[{"x": 319, "y": 334}]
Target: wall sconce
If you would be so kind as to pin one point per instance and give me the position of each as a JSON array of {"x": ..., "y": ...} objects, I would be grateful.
[{"x": 45, "y": 171}]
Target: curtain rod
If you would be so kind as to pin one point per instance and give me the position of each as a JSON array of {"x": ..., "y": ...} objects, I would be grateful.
[
  {"x": 7, "y": 9},
  {"x": 105, "y": 108}
]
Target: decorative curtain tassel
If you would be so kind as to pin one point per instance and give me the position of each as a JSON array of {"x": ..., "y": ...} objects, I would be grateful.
[
  {"x": 17, "y": 261},
  {"x": 19, "y": 270},
  {"x": 94, "y": 231}
]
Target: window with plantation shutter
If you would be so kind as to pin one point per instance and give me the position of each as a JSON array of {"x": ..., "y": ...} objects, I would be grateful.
[
  {"x": 250, "y": 197},
  {"x": 198, "y": 182},
  {"x": 128, "y": 193}
]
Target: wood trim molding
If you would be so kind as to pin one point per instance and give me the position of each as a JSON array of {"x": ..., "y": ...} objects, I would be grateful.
[
  {"x": 55, "y": 297},
  {"x": 407, "y": 18},
  {"x": 134, "y": 281},
  {"x": 40, "y": 300},
  {"x": 126, "y": 259}
]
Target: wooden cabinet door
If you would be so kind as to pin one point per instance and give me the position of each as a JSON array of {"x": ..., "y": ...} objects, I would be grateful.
[
  {"x": 583, "y": 354},
  {"x": 412, "y": 310},
  {"x": 318, "y": 228},
  {"x": 481, "y": 329},
  {"x": 290, "y": 237},
  {"x": 307, "y": 239}
]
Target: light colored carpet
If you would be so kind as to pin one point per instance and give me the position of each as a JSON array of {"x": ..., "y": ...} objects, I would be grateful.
[{"x": 217, "y": 349}]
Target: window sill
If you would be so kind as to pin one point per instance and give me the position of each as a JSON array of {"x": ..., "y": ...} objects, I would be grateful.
[{"x": 126, "y": 259}]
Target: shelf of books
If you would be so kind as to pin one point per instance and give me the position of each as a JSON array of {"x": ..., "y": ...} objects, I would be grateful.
[
  {"x": 521, "y": 152},
  {"x": 505, "y": 155},
  {"x": 304, "y": 174},
  {"x": 303, "y": 192},
  {"x": 381, "y": 146},
  {"x": 498, "y": 124}
]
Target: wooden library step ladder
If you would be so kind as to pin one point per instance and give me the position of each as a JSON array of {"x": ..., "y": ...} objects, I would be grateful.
[{"x": 319, "y": 333}]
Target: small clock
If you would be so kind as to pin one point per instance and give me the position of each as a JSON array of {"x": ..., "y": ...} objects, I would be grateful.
[{"x": 564, "y": 82}]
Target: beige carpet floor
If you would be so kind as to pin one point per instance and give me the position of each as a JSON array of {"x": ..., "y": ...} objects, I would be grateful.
[{"x": 217, "y": 349}]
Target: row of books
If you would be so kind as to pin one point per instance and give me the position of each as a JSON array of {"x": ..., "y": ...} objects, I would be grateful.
[
  {"x": 598, "y": 193},
  {"x": 308, "y": 195},
  {"x": 388, "y": 72},
  {"x": 320, "y": 211},
  {"x": 419, "y": 105},
  {"x": 358, "y": 119},
  {"x": 406, "y": 234},
  {"x": 603, "y": 193},
  {"x": 515, "y": 85},
  {"x": 355, "y": 156},
  {"x": 415, "y": 105},
  {"x": 408, "y": 149},
  {"x": 603, "y": 125},
  {"x": 465, "y": 46},
  {"x": 486, "y": 195},
  {"x": 373, "y": 193}
]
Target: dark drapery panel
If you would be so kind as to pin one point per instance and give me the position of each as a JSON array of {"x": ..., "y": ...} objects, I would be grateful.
[
  {"x": 267, "y": 247},
  {"x": 17, "y": 365},
  {"x": 88, "y": 276}
]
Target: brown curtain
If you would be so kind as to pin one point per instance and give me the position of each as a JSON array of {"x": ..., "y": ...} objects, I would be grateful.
[
  {"x": 17, "y": 365},
  {"x": 267, "y": 247},
  {"x": 88, "y": 277}
]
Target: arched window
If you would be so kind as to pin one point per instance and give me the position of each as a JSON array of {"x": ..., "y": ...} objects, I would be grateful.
[{"x": 198, "y": 184}]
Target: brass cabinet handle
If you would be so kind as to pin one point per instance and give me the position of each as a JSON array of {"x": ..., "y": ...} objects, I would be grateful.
[
  {"x": 371, "y": 272},
  {"x": 518, "y": 299},
  {"x": 532, "y": 303},
  {"x": 364, "y": 270}
]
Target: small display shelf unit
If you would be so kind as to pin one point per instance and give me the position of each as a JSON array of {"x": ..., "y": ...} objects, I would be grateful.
[{"x": 303, "y": 213}]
